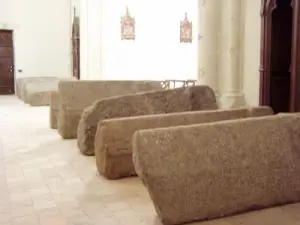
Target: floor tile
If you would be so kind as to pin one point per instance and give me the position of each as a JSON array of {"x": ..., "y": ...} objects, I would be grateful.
[
  {"x": 293, "y": 209},
  {"x": 272, "y": 216}
]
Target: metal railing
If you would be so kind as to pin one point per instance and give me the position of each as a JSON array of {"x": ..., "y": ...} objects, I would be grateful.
[{"x": 170, "y": 84}]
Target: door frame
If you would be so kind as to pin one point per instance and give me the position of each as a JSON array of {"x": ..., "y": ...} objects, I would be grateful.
[
  {"x": 267, "y": 8},
  {"x": 295, "y": 67},
  {"x": 13, "y": 56}
]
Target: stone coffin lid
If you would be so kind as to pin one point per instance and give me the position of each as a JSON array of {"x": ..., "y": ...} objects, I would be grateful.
[
  {"x": 147, "y": 103},
  {"x": 233, "y": 166},
  {"x": 81, "y": 94},
  {"x": 113, "y": 141},
  {"x": 75, "y": 96},
  {"x": 119, "y": 129}
]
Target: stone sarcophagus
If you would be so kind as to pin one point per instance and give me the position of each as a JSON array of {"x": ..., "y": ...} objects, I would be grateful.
[
  {"x": 157, "y": 102},
  {"x": 74, "y": 96},
  {"x": 211, "y": 170},
  {"x": 113, "y": 141},
  {"x": 38, "y": 93},
  {"x": 53, "y": 109},
  {"x": 21, "y": 85},
  {"x": 35, "y": 91}
]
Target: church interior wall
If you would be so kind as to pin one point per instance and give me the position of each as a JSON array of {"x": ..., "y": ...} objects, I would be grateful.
[
  {"x": 43, "y": 45},
  {"x": 105, "y": 56},
  {"x": 156, "y": 53},
  {"x": 41, "y": 31}
]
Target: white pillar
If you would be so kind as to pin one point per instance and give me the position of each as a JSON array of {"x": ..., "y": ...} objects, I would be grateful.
[
  {"x": 233, "y": 96},
  {"x": 208, "y": 43},
  {"x": 83, "y": 39}
]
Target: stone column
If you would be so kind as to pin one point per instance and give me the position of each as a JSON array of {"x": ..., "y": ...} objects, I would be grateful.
[
  {"x": 208, "y": 43},
  {"x": 233, "y": 96}
]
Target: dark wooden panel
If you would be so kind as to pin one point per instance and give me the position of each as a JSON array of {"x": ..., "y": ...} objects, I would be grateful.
[
  {"x": 267, "y": 8},
  {"x": 6, "y": 72},
  {"x": 6, "y": 39},
  {"x": 7, "y": 52},
  {"x": 7, "y": 90},
  {"x": 277, "y": 43},
  {"x": 6, "y": 63},
  {"x": 280, "y": 93}
]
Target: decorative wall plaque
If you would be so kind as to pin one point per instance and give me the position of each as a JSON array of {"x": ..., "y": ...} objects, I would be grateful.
[
  {"x": 186, "y": 30},
  {"x": 127, "y": 26}
]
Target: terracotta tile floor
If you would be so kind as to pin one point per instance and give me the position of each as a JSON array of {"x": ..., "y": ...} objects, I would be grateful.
[{"x": 45, "y": 180}]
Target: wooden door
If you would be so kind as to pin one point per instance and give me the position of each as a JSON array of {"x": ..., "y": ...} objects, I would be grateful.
[
  {"x": 76, "y": 46},
  {"x": 276, "y": 52},
  {"x": 6, "y": 62}
]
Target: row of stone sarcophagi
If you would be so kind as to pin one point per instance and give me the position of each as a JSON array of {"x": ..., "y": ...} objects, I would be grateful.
[
  {"x": 35, "y": 91},
  {"x": 197, "y": 161}
]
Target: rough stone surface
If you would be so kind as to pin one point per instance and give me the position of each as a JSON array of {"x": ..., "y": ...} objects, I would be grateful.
[
  {"x": 38, "y": 93},
  {"x": 75, "y": 96},
  {"x": 36, "y": 90},
  {"x": 113, "y": 141},
  {"x": 233, "y": 166},
  {"x": 259, "y": 111},
  {"x": 53, "y": 109},
  {"x": 157, "y": 102},
  {"x": 22, "y": 82}
]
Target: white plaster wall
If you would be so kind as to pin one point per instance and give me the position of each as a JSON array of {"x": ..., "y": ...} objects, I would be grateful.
[
  {"x": 76, "y": 3},
  {"x": 83, "y": 40},
  {"x": 155, "y": 54},
  {"x": 90, "y": 39},
  {"x": 94, "y": 40},
  {"x": 7, "y": 14},
  {"x": 41, "y": 36}
]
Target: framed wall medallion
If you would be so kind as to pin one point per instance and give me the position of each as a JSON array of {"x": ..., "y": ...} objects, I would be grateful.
[
  {"x": 186, "y": 30},
  {"x": 127, "y": 26}
]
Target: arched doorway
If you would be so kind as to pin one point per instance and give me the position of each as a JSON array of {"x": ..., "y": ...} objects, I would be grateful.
[
  {"x": 76, "y": 46},
  {"x": 279, "y": 72}
]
